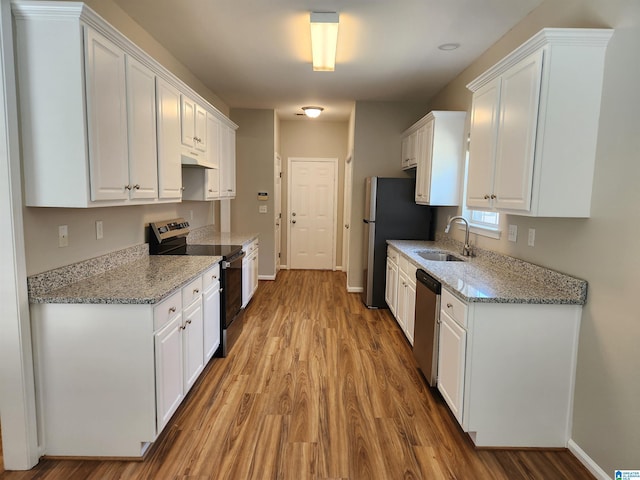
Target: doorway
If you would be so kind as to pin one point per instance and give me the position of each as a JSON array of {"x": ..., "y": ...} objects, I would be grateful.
[{"x": 311, "y": 216}]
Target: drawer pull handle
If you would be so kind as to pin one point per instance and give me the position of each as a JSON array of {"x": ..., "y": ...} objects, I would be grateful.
[
  {"x": 213, "y": 277},
  {"x": 195, "y": 290},
  {"x": 449, "y": 305},
  {"x": 172, "y": 310},
  {"x": 188, "y": 322}
]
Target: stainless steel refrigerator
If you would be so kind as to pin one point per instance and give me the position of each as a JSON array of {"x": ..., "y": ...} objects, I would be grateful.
[{"x": 390, "y": 214}]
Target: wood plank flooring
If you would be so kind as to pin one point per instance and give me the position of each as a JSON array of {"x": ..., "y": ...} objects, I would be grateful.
[{"x": 318, "y": 387}]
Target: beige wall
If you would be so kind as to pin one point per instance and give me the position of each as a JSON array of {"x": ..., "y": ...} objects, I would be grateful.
[
  {"x": 378, "y": 127},
  {"x": 255, "y": 148},
  {"x": 313, "y": 138},
  {"x": 601, "y": 249}
]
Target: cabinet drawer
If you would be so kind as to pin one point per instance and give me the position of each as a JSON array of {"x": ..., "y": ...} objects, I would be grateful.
[
  {"x": 248, "y": 249},
  {"x": 211, "y": 276},
  {"x": 192, "y": 291},
  {"x": 392, "y": 254},
  {"x": 454, "y": 307},
  {"x": 166, "y": 310},
  {"x": 408, "y": 268}
]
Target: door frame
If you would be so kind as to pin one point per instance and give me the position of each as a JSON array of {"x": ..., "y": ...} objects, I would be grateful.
[
  {"x": 346, "y": 213},
  {"x": 334, "y": 161},
  {"x": 277, "y": 211}
]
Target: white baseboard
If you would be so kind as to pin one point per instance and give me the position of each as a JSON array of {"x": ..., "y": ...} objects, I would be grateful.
[
  {"x": 266, "y": 277},
  {"x": 587, "y": 461},
  {"x": 283, "y": 267},
  {"x": 338, "y": 268},
  {"x": 354, "y": 289}
]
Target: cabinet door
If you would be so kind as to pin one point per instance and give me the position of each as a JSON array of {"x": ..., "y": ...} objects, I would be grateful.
[
  {"x": 169, "y": 371},
  {"x": 401, "y": 306},
  {"x": 406, "y": 152},
  {"x": 211, "y": 320},
  {"x": 391, "y": 286},
  {"x": 484, "y": 130},
  {"x": 246, "y": 280},
  {"x": 451, "y": 363},
  {"x": 106, "y": 118},
  {"x": 212, "y": 179},
  {"x": 410, "y": 311},
  {"x": 254, "y": 272},
  {"x": 213, "y": 141},
  {"x": 423, "y": 167},
  {"x": 169, "y": 162},
  {"x": 200, "y": 126},
  {"x": 515, "y": 151},
  {"x": 141, "y": 116},
  {"x": 187, "y": 121},
  {"x": 228, "y": 162},
  {"x": 193, "y": 343}
]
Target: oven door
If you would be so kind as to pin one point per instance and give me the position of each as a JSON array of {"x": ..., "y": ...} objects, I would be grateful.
[{"x": 232, "y": 287}]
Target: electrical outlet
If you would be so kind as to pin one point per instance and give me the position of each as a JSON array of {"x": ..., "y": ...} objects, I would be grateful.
[
  {"x": 532, "y": 237},
  {"x": 63, "y": 236},
  {"x": 191, "y": 215},
  {"x": 262, "y": 209},
  {"x": 513, "y": 233},
  {"x": 99, "y": 231}
]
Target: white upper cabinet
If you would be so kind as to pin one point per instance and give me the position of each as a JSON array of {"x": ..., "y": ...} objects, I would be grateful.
[
  {"x": 106, "y": 118},
  {"x": 141, "y": 121},
  {"x": 438, "y": 144},
  {"x": 193, "y": 132},
  {"x": 95, "y": 131},
  {"x": 227, "y": 162},
  {"x": 534, "y": 126},
  {"x": 169, "y": 164}
]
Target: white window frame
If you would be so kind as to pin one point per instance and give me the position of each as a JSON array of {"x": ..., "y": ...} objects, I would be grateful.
[{"x": 481, "y": 222}]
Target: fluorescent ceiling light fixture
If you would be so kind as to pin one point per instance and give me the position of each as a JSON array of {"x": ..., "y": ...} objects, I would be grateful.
[
  {"x": 312, "y": 112},
  {"x": 324, "y": 40}
]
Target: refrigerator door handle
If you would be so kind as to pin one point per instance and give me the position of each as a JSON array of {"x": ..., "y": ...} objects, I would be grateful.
[{"x": 364, "y": 220}]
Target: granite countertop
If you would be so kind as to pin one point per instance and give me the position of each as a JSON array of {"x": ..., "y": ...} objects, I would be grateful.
[
  {"x": 208, "y": 237},
  {"x": 146, "y": 280},
  {"x": 494, "y": 278}
]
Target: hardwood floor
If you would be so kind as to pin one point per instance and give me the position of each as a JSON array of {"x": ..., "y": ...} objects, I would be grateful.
[{"x": 318, "y": 387}]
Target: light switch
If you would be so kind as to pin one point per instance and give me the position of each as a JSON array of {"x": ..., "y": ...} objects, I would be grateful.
[
  {"x": 513, "y": 233},
  {"x": 262, "y": 209}
]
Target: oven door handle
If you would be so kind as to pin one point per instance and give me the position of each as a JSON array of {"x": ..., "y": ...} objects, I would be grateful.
[{"x": 227, "y": 263}]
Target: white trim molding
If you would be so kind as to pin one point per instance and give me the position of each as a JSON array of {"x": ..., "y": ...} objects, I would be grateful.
[
  {"x": 267, "y": 277},
  {"x": 587, "y": 461}
]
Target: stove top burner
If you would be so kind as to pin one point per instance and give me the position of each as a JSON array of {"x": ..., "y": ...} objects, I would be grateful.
[{"x": 224, "y": 251}]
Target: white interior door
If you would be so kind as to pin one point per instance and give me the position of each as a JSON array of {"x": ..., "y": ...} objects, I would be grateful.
[
  {"x": 312, "y": 213},
  {"x": 277, "y": 207},
  {"x": 346, "y": 212}
]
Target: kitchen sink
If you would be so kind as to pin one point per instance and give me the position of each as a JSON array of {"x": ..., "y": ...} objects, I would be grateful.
[{"x": 440, "y": 256}]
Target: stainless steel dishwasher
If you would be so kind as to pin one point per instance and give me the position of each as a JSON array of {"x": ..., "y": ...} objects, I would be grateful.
[{"x": 425, "y": 336}]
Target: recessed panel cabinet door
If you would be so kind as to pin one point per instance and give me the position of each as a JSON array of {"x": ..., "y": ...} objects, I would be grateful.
[
  {"x": 169, "y": 371},
  {"x": 193, "y": 346},
  {"x": 451, "y": 363},
  {"x": 141, "y": 114},
  {"x": 515, "y": 151},
  {"x": 484, "y": 128},
  {"x": 169, "y": 147},
  {"x": 106, "y": 118}
]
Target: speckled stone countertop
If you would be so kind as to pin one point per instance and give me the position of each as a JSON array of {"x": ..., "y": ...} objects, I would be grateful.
[
  {"x": 206, "y": 236},
  {"x": 490, "y": 277},
  {"x": 146, "y": 279}
]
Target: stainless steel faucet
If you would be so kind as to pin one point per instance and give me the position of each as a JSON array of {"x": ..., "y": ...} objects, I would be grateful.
[{"x": 467, "y": 250}]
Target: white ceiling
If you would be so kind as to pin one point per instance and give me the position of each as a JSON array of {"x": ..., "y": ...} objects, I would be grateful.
[{"x": 257, "y": 53}]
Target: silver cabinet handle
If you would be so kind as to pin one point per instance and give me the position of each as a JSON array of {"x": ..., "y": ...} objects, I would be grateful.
[
  {"x": 486, "y": 197},
  {"x": 210, "y": 190},
  {"x": 213, "y": 277},
  {"x": 196, "y": 290},
  {"x": 188, "y": 322},
  {"x": 172, "y": 309},
  {"x": 182, "y": 327},
  {"x": 136, "y": 186},
  {"x": 449, "y": 305},
  {"x": 494, "y": 196},
  {"x": 127, "y": 187}
]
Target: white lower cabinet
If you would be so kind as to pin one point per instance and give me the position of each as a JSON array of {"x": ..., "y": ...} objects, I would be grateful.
[
  {"x": 451, "y": 357},
  {"x": 211, "y": 311},
  {"x": 391, "y": 285},
  {"x": 507, "y": 370},
  {"x": 249, "y": 271},
  {"x": 400, "y": 291},
  {"x": 110, "y": 376}
]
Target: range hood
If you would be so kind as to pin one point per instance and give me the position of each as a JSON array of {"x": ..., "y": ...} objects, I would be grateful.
[{"x": 191, "y": 157}]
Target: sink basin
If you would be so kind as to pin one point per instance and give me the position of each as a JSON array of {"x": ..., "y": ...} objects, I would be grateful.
[{"x": 440, "y": 257}]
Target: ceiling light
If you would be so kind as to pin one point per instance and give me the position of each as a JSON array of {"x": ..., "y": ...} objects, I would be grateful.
[
  {"x": 324, "y": 40},
  {"x": 449, "y": 46},
  {"x": 312, "y": 112}
]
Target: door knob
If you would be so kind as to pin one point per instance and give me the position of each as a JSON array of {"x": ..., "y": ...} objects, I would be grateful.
[
  {"x": 293, "y": 214},
  {"x": 293, "y": 221},
  {"x": 346, "y": 226}
]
